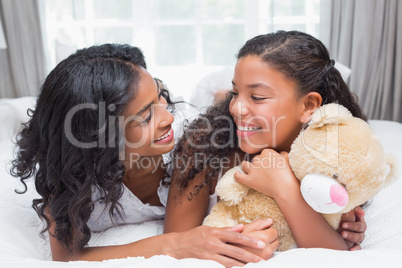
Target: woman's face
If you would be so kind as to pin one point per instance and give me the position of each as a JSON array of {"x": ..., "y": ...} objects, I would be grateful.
[
  {"x": 264, "y": 106},
  {"x": 147, "y": 123}
]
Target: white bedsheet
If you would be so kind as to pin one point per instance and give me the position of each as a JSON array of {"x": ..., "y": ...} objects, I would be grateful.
[{"x": 22, "y": 246}]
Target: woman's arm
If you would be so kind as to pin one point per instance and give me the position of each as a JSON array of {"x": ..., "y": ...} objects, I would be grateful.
[
  {"x": 277, "y": 180},
  {"x": 352, "y": 228},
  {"x": 202, "y": 242}
]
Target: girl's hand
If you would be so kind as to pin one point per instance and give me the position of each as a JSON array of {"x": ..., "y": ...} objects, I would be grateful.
[
  {"x": 269, "y": 173},
  {"x": 218, "y": 244},
  {"x": 352, "y": 228}
]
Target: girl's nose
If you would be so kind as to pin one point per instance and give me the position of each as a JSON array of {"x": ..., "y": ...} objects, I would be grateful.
[{"x": 239, "y": 109}]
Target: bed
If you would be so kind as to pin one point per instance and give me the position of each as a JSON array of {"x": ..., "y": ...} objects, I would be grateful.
[{"x": 22, "y": 246}]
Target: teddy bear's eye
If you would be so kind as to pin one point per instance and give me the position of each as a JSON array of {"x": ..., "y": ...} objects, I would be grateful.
[{"x": 335, "y": 176}]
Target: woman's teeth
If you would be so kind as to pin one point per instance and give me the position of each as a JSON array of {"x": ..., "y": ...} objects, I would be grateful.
[
  {"x": 248, "y": 128},
  {"x": 164, "y": 136}
]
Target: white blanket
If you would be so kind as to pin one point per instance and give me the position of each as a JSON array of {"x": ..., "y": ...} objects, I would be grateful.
[{"x": 22, "y": 246}]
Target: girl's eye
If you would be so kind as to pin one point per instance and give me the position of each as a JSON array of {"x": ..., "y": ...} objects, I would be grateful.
[{"x": 257, "y": 98}]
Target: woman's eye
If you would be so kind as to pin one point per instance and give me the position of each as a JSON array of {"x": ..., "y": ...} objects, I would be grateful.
[
  {"x": 233, "y": 93},
  {"x": 147, "y": 119},
  {"x": 163, "y": 93}
]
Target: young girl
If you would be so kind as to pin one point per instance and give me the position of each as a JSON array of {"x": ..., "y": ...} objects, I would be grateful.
[
  {"x": 95, "y": 144},
  {"x": 279, "y": 80}
]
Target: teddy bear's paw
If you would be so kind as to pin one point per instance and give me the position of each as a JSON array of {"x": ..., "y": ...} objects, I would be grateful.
[
  {"x": 229, "y": 190},
  {"x": 329, "y": 114},
  {"x": 392, "y": 168},
  {"x": 216, "y": 220}
]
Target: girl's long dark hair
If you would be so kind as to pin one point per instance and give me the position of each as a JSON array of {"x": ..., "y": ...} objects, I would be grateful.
[
  {"x": 70, "y": 145},
  {"x": 301, "y": 58},
  {"x": 306, "y": 61}
]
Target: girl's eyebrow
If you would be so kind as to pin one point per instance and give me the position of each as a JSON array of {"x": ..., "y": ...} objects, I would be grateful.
[
  {"x": 256, "y": 85},
  {"x": 263, "y": 85}
]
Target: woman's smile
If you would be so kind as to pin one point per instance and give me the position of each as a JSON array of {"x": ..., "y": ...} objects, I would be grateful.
[{"x": 166, "y": 137}]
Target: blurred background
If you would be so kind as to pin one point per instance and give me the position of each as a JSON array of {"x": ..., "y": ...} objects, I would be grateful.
[
  {"x": 185, "y": 41},
  {"x": 182, "y": 40}
]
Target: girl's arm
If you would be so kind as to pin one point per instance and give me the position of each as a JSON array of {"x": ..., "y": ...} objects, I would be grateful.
[
  {"x": 183, "y": 214},
  {"x": 202, "y": 242},
  {"x": 270, "y": 174}
]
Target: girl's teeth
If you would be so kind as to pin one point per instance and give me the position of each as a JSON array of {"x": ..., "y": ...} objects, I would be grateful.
[{"x": 248, "y": 128}]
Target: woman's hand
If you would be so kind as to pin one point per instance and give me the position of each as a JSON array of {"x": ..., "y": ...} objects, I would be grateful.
[
  {"x": 352, "y": 228},
  {"x": 262, "y": 230},
  {"x": 269, "y": 173},
  {"x": 218, "y": 244}
]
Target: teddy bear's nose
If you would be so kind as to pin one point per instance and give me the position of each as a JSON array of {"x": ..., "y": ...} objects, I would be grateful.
[
  {"x": 339, "y": 195},
  {"x": 323, "y": 193}
]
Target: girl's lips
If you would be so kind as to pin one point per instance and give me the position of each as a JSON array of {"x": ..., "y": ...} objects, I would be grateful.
[
  {"x": 242, "y": 134},
  {"x": 246, "y": 130},
  {"x": 166, "y": 137}
]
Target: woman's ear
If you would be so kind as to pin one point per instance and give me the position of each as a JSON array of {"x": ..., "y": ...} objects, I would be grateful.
[{"x": 310, "y": 102}]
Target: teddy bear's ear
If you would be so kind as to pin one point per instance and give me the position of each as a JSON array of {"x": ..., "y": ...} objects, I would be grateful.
[{"x": 330, "y": 114}]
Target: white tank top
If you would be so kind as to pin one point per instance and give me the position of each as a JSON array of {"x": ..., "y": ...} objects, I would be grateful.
[
  {"x": 213, "y": 198},
  {"x": 132, "y": 208}
]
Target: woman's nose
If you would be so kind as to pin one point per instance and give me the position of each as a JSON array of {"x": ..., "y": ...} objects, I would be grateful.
[{"x": 167, "y": 117}]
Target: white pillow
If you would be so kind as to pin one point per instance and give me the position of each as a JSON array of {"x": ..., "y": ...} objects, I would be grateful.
[
  {"x": 344, "y": 70},
  {"x": 13, "y": 112}
]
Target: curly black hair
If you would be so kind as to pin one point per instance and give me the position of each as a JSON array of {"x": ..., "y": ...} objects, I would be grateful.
[
  {"x": 69, "y": 146},
  {"x": 205, "y": 142},
  {"x": 301, "y": 58}
]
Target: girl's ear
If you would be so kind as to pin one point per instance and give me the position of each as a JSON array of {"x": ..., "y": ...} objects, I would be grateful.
[{"x": 310, "y": 102}]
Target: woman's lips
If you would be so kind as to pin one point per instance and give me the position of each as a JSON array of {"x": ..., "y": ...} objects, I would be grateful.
[{"x": 166, "y": 137}]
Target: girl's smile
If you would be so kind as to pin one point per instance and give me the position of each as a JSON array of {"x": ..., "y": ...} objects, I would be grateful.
[{"x": 246, "y": 130}]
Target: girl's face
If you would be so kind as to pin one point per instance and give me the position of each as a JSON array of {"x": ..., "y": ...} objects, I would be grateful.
[
  {"x": 147, "y": 123},
  {"x": 265, "y": 108}
]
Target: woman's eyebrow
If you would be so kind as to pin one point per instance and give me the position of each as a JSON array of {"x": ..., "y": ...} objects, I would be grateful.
[{"x": 143, "y": 109}]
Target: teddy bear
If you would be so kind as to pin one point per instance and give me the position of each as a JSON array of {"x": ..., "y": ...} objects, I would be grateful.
[{"x": 339, "y": 161}]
